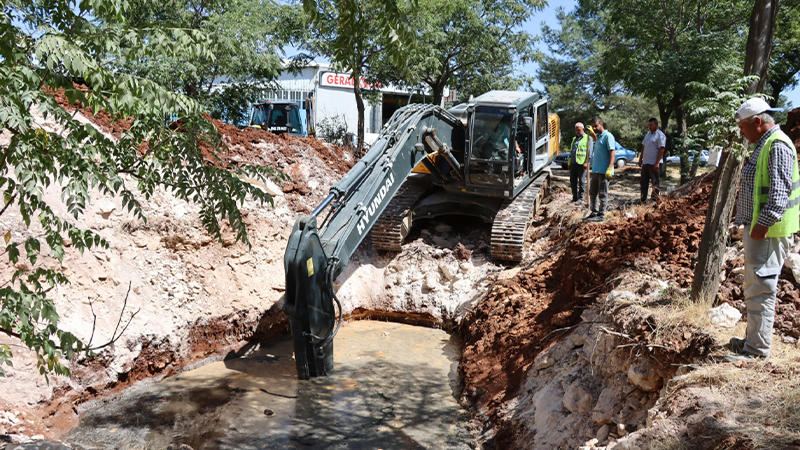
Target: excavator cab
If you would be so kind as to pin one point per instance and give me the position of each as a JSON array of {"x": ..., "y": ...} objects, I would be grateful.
[{"x": 504, "y": 143}]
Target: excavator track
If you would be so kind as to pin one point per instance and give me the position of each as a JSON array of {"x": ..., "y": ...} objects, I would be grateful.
[
  {"x": 392, "y": 227},
  {"x": 510, "y": 227}
]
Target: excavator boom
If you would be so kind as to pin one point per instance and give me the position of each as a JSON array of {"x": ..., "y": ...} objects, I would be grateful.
[{"x": 317, "y": 253}]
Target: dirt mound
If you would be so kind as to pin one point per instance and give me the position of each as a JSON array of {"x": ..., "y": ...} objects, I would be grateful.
[
  {"x": 312, "y": 165},
  {"x": 102, "y": 119},
  {"x": 517, "y": 318}
]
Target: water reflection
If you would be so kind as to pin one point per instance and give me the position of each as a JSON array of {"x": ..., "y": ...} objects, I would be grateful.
[{"x": 394, "y": 387}]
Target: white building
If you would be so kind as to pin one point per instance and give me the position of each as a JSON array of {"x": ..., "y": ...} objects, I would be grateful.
[{"x": 333, "y": 96}]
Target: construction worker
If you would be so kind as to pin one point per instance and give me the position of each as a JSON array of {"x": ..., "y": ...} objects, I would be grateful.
[
  {"x": 602, "y": 171},
  {"x": 769, "y": 208},
  {"x": 652, "y": 154},
  {"x": 578, "y": 162}
]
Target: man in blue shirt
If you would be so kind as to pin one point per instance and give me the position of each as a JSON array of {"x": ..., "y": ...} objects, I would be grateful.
[{"x": 602, "y": 170}]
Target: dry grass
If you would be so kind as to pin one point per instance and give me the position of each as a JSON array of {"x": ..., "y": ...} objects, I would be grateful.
[
  {"x": 669, "y": 443},
  {"x": 763, "y": 396}
]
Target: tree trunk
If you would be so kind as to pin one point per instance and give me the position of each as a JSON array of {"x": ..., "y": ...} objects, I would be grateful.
[
  {"x": 438, "y": 94},
  {"x": 726, "y": 184},
  {"x": 681, "y": 119},
  {"x": 664, "y": 113},
  {"x": 360, "y": 107},
  {"x": 759, "y": 42}
]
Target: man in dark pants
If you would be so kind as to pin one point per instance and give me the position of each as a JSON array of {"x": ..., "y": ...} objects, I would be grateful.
[
  {"x": 602, "y": 171},
  {"x": 578, "y": 162},
  {"x": 650, "y": 159}
]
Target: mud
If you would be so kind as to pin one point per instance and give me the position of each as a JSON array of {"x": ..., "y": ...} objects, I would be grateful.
[{"x": 395, "y": 387}]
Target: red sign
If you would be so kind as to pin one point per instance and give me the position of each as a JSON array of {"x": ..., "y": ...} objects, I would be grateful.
[{"x": 344, "y": 80}]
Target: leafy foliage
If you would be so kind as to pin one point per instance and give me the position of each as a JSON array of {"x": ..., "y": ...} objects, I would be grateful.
[
  {"x": 356, "y": 34},
  {"x": 44, "y": 47},
  {"x": 471, "y": 46},
  {"x": 332, "y": 129},
  {"x": 656, "y": 49},
  {"x": 785, "y": 62},
  {"x": 713, "y": 104},
  {"x": 579, "y": 90},
  {"x": 244, "y": 36}
]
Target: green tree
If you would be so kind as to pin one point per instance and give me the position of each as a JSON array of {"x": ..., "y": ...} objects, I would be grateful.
[
  {"x": 244, "y": 36},
  {"x": 470, "y": 45},
  {"x": 578, "y": 89},
  {"x": 44, "y": 46},
  {"x": 657, "y": 49},
  {"x": 357, "y": 34},
  {"x": 784, "y": 64}
]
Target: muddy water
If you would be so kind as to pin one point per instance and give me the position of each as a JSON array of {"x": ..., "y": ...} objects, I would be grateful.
[{"x": 394, "y": 387}]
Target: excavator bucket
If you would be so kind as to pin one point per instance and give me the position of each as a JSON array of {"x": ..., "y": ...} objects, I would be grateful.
[{"x": 308, "y": 301}]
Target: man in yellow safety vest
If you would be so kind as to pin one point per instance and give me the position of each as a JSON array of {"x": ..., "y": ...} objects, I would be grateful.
[
  {"x": 769, "y": 208},
  {"x": 578, "y": 161}
]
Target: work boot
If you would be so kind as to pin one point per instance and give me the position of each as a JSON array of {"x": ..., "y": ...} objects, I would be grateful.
[
  {"x": 740, "y": 358},
  {"x": 736, "y": 345},
  {"x": 590, "y": 217}
]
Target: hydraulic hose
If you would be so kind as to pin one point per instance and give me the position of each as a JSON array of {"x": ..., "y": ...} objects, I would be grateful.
[{"x": 329, "y": 284}]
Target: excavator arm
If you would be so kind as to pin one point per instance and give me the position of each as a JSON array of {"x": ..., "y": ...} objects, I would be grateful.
[{"x": 317, "y": 253}]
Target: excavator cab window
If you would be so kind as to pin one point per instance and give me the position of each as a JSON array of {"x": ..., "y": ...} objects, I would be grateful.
[
  {"x": 277, "y": 118},
  {"x": 492, "y": 138}
]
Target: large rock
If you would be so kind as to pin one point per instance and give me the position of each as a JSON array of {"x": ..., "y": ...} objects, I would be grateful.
[
  {"x": 548, "y": 411},
  {"x": 724, "y": 315},
  {"x": 793, "y": 262},
  {"x": 577, "y": 400},
  {"x": 606, "y": 406},
  {"x": 644, "y": 376}
]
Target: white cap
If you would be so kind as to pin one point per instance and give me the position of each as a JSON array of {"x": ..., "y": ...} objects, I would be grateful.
[{"x": 750, "y": 108}]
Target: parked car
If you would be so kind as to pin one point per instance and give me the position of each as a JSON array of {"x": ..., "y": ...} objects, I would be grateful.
[
  {"x": 675, "y": 159},
  {"x": 622, "y": 156}
]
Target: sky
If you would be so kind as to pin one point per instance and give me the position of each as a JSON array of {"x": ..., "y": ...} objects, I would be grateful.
[{"x": 548, "y": 15}]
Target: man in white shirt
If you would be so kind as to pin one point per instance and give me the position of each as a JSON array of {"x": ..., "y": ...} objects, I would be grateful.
[{"x": 650, "y": 159}]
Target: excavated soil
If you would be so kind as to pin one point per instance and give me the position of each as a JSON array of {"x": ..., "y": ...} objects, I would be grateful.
[
  {"x": 517, "y": 318},
  {"x": 196, "y": 298},
  {"x": 792, "y": 127},
  {"x": 521, "y": 317},
  {"x": 245, "y": 146}
]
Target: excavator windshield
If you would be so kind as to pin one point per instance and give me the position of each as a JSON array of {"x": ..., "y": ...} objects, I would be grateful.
[
  {"x": 492, "y": 137},
  {"x": 491, "y": 133}
]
